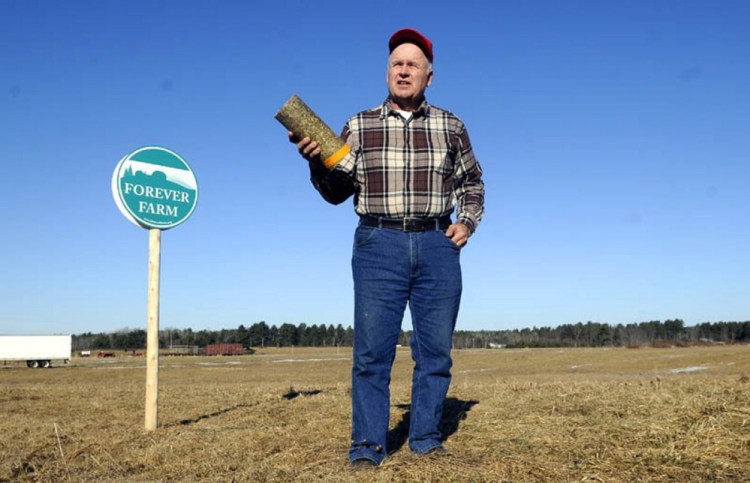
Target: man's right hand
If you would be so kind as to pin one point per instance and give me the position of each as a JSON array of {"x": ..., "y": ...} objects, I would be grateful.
[{"x": 307, "y": 148}]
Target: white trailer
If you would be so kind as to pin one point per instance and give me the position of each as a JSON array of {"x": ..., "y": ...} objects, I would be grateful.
[{"x": 36, "y": 350}]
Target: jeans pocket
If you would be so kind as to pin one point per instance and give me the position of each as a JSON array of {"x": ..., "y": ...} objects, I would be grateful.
[
  {"x": 450, "y": 242},
  {"x": 363, "y": 234}
]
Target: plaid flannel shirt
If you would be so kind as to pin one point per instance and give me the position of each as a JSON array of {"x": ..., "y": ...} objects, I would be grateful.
[{"x": 423, "y": 167}]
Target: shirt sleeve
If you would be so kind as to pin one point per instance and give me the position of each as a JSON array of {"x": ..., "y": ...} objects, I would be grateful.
[
  {"x": 337, "y": 184},
  {"x": 468, "y": 186}
]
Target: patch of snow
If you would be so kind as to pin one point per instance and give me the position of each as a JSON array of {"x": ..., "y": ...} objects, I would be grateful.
[{"x": 683, "y": 370}]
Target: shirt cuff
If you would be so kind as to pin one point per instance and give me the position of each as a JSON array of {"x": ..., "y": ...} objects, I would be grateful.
[{"x": 466, "y": 221}]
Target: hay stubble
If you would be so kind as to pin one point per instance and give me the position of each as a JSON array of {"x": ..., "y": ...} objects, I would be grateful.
[{"x": 514, "y": 415}]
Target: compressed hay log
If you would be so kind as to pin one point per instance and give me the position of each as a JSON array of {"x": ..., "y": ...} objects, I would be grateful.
[{"x": 297, "y": 117}]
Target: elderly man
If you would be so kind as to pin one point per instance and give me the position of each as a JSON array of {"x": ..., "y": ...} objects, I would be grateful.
[{"x": 410, "y": 165}]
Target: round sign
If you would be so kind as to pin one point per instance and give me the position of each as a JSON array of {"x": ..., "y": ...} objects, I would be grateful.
[{"x": 154, "y": 188}]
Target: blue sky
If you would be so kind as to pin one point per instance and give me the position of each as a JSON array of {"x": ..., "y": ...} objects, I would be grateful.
[{"x": 614, "y": 137}]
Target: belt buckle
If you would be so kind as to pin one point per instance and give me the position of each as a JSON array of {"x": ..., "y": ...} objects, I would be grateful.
[{"x": 412, "y": 224}]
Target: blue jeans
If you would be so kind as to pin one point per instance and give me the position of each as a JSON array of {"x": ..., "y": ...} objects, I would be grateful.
[{"x": 392, "y": 268}]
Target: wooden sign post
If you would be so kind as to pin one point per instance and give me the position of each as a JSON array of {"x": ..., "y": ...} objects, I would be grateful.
[
  {"x": 155, "y": 189},
  {"x": 152, "y": 329}
]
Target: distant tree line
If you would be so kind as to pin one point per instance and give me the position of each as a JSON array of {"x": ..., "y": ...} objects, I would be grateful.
[
  {"x": 259, "y": 334},
  {"x": 589, "y": 334},
  {"x": 595, "y": 334}
]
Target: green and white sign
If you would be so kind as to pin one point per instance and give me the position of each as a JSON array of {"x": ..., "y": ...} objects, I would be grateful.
[{"x": 155, "y": 188}]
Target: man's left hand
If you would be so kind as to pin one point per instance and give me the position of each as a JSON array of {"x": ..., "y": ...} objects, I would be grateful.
[{"x": 458, "y": 233}]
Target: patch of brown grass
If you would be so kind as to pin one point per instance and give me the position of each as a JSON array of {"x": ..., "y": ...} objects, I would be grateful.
[{"x": 512, "y": 415}]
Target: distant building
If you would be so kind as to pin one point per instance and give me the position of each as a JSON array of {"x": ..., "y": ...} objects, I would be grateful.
[
  {"x": 183, "y": 350},
  {"x": 225, "y": 350}
]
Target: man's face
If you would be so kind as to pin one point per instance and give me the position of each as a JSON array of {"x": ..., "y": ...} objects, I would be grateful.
[{"x": 408, "y": 75}]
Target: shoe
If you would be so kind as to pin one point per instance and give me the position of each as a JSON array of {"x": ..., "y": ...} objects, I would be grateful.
[
  {"x": 436, "y": 451},
  {"x": 362, "y": 464}
]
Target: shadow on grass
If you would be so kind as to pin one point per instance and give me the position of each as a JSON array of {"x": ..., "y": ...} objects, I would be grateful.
[
  {"x": 454, "y": 411},
  {"x": 186, "y": 422},
  {"x": 293, "y": 394},
  {"x": 288, "y": 396}
]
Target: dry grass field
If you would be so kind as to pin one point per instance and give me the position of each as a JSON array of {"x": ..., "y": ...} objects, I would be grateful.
[{"x": 676, "y": 414}]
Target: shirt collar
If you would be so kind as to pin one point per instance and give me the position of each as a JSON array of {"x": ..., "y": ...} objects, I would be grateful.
[{"x": 424, "y": 109}]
